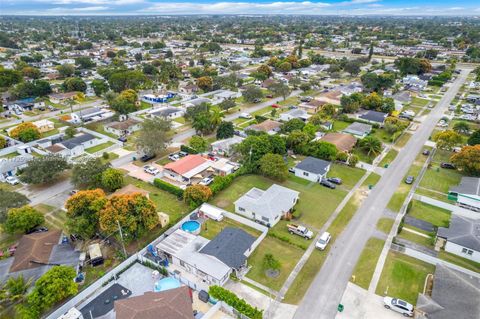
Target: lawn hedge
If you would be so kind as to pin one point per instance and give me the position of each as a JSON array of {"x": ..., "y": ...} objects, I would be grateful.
[
  {"x": 233, "y": 300},
  {"x": 172, "y": 189}
]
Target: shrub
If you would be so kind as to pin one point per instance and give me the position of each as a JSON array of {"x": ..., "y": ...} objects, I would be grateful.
[
  {"x": 187, "y": 149},
  {"x": 233, "y": 300},
  {"x": 172, "y": 189}
]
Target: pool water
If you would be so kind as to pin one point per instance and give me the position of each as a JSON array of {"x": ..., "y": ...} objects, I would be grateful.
[
  {"x": 166, "y": 284},
  {"x": 191, "y": 226}
]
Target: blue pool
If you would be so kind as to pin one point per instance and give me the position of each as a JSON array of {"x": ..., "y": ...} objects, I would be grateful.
[
  {"x": 191, "y": 226},
  {"x": 166, "y": 284}
]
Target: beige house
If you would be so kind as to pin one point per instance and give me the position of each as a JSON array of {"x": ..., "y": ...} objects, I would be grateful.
[{"x": 44, "y": 125}]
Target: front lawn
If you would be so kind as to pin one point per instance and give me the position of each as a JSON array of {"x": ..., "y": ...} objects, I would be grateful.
[
  {"x": 403, "y": 277},
  {"x": 211, "y": 228},
  {"x": 99, "y": 147},
  {"x": 363, "y": 272},
  {"x": 434, "y": 215},
  {"x": 460, "y": 261},
  {"x": 287, "y": 255},
  {"x": 385, "y": 224},
  {"x": 403, "y": 140},
  {"x": 415, "y": 238},
  {"x": 388, "y": 158},
  {"x": 349, "y": 175},
  {"x": 340, "y": 125},
  {"x": 440, "y": 179}
]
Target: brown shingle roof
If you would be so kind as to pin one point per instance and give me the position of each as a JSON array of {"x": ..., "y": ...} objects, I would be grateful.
[
  {"x": 265, "y": 126},
  {"x": 124, "y": 125},
  {"x": 343, "y": 142},
  {"x": 170, "y": 304},
  {"x": 34, "y": 247},
  {"x": 55, "y": 148}
]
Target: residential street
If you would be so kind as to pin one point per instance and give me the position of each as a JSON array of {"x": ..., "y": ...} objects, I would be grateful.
[{"x": 325, "y": 292}]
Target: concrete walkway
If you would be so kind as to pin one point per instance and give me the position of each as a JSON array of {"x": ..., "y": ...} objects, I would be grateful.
[
  {"x": 415, "y": 232},
  {"x": 260, "y": 286}
]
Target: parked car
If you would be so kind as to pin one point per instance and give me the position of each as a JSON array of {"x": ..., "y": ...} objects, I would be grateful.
[
  {"x": 426, "y": 152},
  {"x": 12, "y": 180},
  {"x": 328, "y": 184},
  {"x": 257, "y": 100},
  {"x": 174, "y": 157},
  {"x": 275, "y": 106},
  {"x": 73, "y": 192},
  {"x": 150, "y": 170},
  {"x": 305, "y": 98},
  {"x": 398, "y": 305},
  {"x": 269, "y": 96},
  {"x": 245, "y": 116},
  {"x": 147, "y": 157},
  {"x": 122, "y": 139},
  {"x": 39, "y": 229},
  {"x": 323, "y": 241},
  {"x": 447, "y": 165},
  {"x": 335, "y": 180},
  {"x": 291, "y": 170},
  {"x": 300, "y": 231},
  {"x": 206, "y": 181},
  {"x": 409, "y": 179},
  {"x": 182, "y": 154}
]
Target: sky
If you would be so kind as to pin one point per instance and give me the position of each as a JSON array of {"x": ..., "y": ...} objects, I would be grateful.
[{"x": 188, "y": 7}]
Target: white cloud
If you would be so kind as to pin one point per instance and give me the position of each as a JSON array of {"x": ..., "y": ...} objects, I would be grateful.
[
  {"x": 63, "y": 10},
  {"x": 91, "y": 2}
]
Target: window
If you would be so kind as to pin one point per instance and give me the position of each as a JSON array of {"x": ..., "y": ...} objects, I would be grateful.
[
  {"x": 305, "y": 173},
  {"x": 265, "y": 219},
  {"x": 241, "y": 209},
  {"x": 467, "y": 251}
]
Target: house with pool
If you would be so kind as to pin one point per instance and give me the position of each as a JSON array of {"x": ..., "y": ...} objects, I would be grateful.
[{"x": 212, "y": 261}]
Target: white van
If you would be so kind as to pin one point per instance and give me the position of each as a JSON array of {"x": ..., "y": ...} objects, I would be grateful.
[{"x": 323, "y": 241}]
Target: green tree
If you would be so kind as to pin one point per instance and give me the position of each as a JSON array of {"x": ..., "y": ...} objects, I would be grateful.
[
  {"x": 252, "y": 93},
  {"x": 280, "y": 89},
  {"x": 70, "y": 132},
  {"x": 270, "y": 263},
  {"x": 297, "y": 140},
  {"x": 351, "y": 103},
  {"x": 474, "y": 139},
  {"x": 461, "y": 127},
  {"x": 353, "y": 67},
  {"x": 9, "y": 200},
  {"x": 25, "y": 132},
  {"x": 371, "y": 145},
  {"x": 225, "y": 130},
  {"x": 41, "y": 170},
  {"x": 66, "y": 70},
  {"x": 9, "y": 77},
  {"x": 84, "y": 62},
  {"x": 125, "y": 102},
  {"x": 468, "y": 160},
  {"x": 197, "y": 194},
  {"x": 227, "y": 104},
  {"x": 273, "y": 166},
  {"x": 20, "y": 220},
  {"x": 3, "y": 142},
  {"x": 112, "y": 179},
  {"x": 153, "y": 135},
  {"x": 99, "y": 87},
  {"x": 323, "y": 150},
  {"x": 74, "y": 84},
  {"x": 88, "y": 173},
  {"x": 292, "y": 125},
  {"x": 198, "y": 143},
  {"x": 447, "y": 139}
]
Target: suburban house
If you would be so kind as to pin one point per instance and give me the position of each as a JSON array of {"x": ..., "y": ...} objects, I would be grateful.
[
  {"x": 58, "y": 98},
  {"x": 9, "y": 167},
  {"x": 168, "y": 113},
  {"x": 44, "y": 126},
  {"x": 268, "y": 126},
  {"x": 74, "y": 146},
  {"x": 91, "y": 115},
  {"x": 313, "y": 106},
  {"x": 122, "y": 128},
  {"x": 294, "y": 114},
  {"x": 267, "y": 206},
  {"x": 212, "y": 261},
  {"x": 312, "y": 169},
  {"x": 332, "y": 97},
  {"x": 36, "y": 253},
  {"x": 467, "y": 193},
  {"x": 454, "y": 295},
  {"x": 223, "y": 167},
  {"x": 189, "y": 89},
  {"x": 344, "y": 142},
  {"x": 359, "y": 130},
  {"x": 225, "y": 146},
  {"x": 188, "y": 169},
  {"x": 414, "y": 83},
  {"x": 462, "y": 237},
  {"x": 171, "y": 304},
  {"x": 222, "y": 95},
  {"x": 374, "y": 117}
]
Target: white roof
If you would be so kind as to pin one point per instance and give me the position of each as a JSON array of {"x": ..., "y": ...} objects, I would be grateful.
[
  {"x": 200, "y": 168},
  {"x": 212, "y": 211},
  {"x": 186, "y": 247}
]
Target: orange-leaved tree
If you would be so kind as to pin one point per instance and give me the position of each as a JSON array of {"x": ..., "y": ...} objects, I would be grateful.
[{"x": 82, "y": 211}]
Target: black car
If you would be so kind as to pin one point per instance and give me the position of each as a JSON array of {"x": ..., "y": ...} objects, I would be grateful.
[
  {"x": 122, "y": 139},
  {"x": 335, "y": 180},
  {"x": 426, "y": 152},
  {"x": 38, "y": 229},
  {"x": 147, "y": 157},
  {"x": 328, "y": 184},
  {"x": 447, "y": 165},
  {"x": 291, "y": 170},
  {"x": 409, "y": 179}
]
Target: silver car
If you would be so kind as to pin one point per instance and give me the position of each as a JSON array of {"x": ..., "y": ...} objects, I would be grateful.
[{"x": 398, "y": 305}]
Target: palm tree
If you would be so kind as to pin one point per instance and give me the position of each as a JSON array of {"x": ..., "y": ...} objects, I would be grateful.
[
  {"x": 372, "y": 145},
  {"x": 216, "y": 116}
]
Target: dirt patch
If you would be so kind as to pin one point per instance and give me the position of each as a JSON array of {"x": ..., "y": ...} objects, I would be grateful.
[
  {"x": 271, "y": 273},
  {"x": 223, "y": 203}
]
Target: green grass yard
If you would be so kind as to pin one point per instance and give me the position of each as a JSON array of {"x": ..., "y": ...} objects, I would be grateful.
[
  {"x": 437, "y": 216},
  {"x": 415, "y": 238},
  {"x": 385, "y": 225},
  {"x": 403, "y": 277},
  {"x": 388, "y": 158},
  {"x": 99, "y": 147},
  {"x": 363, "y": 272},
  {"x": 460, "y": 261},
  {"x": 211, "y": 228}
]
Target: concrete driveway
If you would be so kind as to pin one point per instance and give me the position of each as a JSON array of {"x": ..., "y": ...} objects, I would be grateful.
[
  {"x": 138, "y": 173},
  {"x": 360, "y": 304}
]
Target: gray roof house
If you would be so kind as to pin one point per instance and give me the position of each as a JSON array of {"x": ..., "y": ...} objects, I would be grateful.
[
  {"x": 9, "y": 166},
  {"x": 374, "y": 117},
  {"x": 358, "y": 129},
  {"x": 168, "y": 113},
  {"x": 230, "y": 247},
  {"x": 467, "y": 193},
  {"x": 462, "y": 237},
  {"x": 267, "y": 206},
  {"x": 312, "y": 169},
  {"x": 225, "y": 146},
  {"x": 454, "y": 295}
]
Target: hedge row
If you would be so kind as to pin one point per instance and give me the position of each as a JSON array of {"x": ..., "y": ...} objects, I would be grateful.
[
  {"x": 287, "y": 240},
  {"x": 233, "y": 300},
  {"x": 172, "y": 189},
  {"x": 345, "y": 118},
  {"x": 188, "y": 149}
]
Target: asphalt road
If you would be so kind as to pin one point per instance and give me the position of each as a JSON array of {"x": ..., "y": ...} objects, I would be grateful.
[
  {"x": 230, "y": 117},
  {"x": 326, "y": 290}
]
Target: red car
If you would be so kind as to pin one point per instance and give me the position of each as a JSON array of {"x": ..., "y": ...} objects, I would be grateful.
[
  {"x": 275, "y": 106},
  {"x": 269, "y": 96}
]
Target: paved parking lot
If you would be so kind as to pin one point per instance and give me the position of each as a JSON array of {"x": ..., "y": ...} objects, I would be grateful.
[{"x": 359, "y": 304}]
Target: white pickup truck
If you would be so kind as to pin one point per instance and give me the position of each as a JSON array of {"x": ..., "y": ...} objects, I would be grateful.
[{"x": 300, "y": 231}]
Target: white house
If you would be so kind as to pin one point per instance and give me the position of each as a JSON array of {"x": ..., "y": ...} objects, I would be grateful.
[
  {"x": 188, "y": 169},
  {"x": 312, "y": 169},
  {"x": 267, "y": 206},
  {"x": 122, "y": 128},
  {"x": 75, "y": 146},
  {"x": 294, "y": 114},
  {"x": 358, "y": 129},
  {"x": 225, "y": 146},
  {"x": 467, "y": 193},
  {"x": 168, "y": 113},
  {"x": 462, "y": 237}
]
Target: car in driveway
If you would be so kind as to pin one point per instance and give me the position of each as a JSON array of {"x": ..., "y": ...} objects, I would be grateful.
[
  {"x": 12, "y": 180},
  {"x": 323, "y": 241},
  {"x": 38, "y": 229},
  {"x": 426, "y": 152},
  {"x": 409, "y": 180},
  {"x": 150, "y": 170},
  {"x": 147, "y": 157},
  {"x": 335, "y": 180},
  {"x": 174, "y": 157},
  {"x": 245, "y": 116},
  {"x": 206, "y": 181},
  {"x": 328, "y": 184},
  {"x": 398, "y": 305}
]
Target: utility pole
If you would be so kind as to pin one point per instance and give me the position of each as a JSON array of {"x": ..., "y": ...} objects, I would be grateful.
[{"x": 121, "y": 236}]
